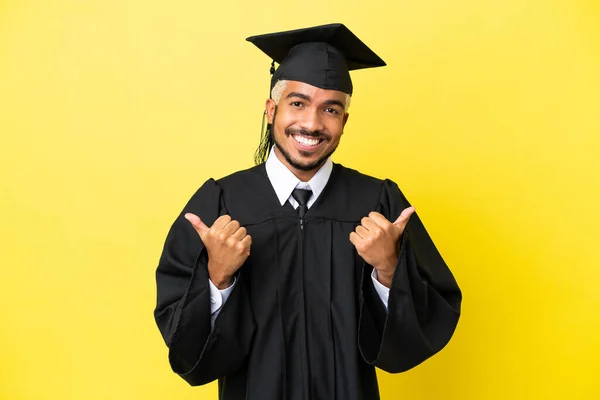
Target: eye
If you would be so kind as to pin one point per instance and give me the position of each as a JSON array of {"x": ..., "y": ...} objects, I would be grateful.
[
  {"x": 296, "y": 104},
  {"x": 331, "y": 110}
]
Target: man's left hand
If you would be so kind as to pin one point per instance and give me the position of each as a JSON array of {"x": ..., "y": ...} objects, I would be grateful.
[{"x": 376, "y": 241}]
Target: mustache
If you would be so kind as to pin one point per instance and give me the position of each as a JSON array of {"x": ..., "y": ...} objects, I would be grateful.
[{"x": 318, "y": 134}]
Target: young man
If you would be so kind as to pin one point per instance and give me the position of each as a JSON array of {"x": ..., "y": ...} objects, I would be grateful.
[{"x": 296, "y": 278}]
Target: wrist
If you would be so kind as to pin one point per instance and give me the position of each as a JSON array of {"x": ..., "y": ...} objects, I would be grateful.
[
  {"x": 221, "y": 281},
  {"x": 386, "y": 267},
  {"x": 385, "y": 277}
]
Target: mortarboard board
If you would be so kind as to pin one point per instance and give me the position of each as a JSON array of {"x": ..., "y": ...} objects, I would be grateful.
[{"x": 321, "y": 56}]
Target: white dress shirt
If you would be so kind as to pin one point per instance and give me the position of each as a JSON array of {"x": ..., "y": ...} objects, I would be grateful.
[{"x": 284, "y": 182}]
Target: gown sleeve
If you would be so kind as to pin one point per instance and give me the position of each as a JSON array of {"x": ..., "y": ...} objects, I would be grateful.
[
  {"x": 424, "y": 299},
  {"x": 198, "y": 353}
]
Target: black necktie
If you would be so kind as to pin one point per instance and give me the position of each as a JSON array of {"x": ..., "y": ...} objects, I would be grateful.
[{"x": 302, "y": 196}]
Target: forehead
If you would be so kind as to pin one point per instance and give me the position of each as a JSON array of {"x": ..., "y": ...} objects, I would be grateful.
[{"x": 313, "y": 92}]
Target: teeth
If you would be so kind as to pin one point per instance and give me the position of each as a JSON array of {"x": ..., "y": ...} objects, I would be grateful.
[{"x": 306, "y": 141}]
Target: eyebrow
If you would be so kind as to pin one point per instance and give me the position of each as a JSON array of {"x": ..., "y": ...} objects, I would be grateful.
[{"x": 302, "y": 96}]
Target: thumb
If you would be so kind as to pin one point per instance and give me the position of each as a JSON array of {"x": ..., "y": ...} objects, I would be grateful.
[
  {"x": 197, "y": 223},
  {"x": 404, "y": 216}
]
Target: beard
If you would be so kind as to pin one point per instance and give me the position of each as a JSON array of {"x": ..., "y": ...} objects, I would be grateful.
[{"x": 297, "y": 164}]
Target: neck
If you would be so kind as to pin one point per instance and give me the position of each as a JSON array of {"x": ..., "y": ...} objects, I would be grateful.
[{"x": 303, "y": 175}]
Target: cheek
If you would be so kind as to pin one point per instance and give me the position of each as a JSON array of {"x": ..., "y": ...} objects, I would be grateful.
[
  {"x": 282, "y": 122},
  {"x": 335, "y": 128}
]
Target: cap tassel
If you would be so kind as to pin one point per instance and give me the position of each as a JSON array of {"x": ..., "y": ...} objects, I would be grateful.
[
  {"x": 271, "y": 71},
  {"x": 262, "y": 129},
  {"x": 262, "y": 152}
]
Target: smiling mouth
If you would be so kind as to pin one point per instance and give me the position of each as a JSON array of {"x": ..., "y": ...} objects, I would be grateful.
[{"x": 307, "y": 141}]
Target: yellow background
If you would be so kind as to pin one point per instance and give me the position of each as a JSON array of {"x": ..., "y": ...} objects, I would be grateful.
[{"x": 113, "y": 112}]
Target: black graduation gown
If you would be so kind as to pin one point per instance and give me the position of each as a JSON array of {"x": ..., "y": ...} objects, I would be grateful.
[{"x": 303, "y": 320}]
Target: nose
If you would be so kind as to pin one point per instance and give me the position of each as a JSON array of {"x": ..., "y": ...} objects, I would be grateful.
[{"x": 312, "y": 121}]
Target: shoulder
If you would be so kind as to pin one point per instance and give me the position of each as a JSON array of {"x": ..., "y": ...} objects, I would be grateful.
[
  {"x": 243, "y": 178},
  {"x": 383, "y": 195},
  {"x": 245, "y": 187},
  {"x": 349, "y": 195},
  {"x": 236, "y": 186},
  {"x": 248, "y": 195},
  {"x": 359, "y": 180}
]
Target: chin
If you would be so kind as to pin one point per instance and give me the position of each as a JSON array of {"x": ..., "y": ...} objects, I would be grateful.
[
  {"x": 303, "y": 161},
  {"x": 304, "y": 164}
]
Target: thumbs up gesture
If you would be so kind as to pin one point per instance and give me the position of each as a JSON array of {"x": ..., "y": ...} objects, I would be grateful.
[
  {"x": 376, "y": 241},
  {"x": 227, "y": 244}
]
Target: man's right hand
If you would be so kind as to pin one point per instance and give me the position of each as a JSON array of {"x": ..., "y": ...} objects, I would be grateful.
[{"x": 227, "y": 244}]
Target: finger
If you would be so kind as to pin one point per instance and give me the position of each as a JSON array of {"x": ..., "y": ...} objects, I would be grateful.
[
  {"x": 404, "y": 216},
  {"x": 355, "y": 239},
  {"x": 379, "y": 219},
  {"x": 368, "y": 223},
  {"x": 239, "y": 234},
  {"x": 247, "y": 241},
  {"x": 220, "y": 223},
  {"x": 231, "y": 228},
  {"x": 196, "y": 222},
  {"x": 362, "y": 232}
]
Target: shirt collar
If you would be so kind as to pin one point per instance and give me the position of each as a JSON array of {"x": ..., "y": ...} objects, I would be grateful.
[{"x": 284, "y": 181}]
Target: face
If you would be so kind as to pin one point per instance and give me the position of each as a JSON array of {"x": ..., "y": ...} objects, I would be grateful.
[{"x": 307, "y": 125}]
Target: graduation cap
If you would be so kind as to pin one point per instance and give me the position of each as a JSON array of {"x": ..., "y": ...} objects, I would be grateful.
[{"x": 321, "y": 56}]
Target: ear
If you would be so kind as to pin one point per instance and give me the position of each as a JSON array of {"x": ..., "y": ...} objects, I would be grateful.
[
  {"x": 345, "y": 119},
  {"x": 270, "y": 110}
]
